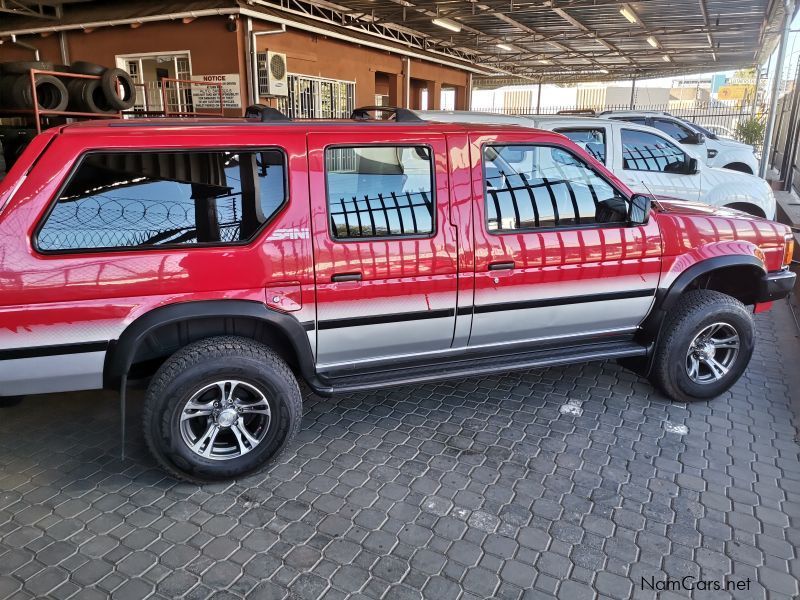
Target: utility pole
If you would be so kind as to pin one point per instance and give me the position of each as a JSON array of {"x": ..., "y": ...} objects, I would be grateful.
[{"x": 633, "y": 93}]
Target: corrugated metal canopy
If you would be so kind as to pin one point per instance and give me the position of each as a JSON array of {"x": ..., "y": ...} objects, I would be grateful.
[{"x": 519, "y": 41}]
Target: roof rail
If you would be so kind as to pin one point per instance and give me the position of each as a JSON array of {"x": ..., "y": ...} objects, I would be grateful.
[
  {"x": 396, "y": 113},
  {"x": 578, "y": 111},
  {"x": 264, "y": 113}
]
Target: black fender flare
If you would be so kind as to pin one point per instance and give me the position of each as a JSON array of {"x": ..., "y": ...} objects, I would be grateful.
[
  {"x": 666, "y": 297},
  {"x": 122, "y": 351}
]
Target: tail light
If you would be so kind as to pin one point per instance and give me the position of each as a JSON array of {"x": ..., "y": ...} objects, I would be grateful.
[{"x": 788, "y": 250}]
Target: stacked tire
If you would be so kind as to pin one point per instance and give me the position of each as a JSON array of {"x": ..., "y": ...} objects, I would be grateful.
[{"x": 112, "y": 92}]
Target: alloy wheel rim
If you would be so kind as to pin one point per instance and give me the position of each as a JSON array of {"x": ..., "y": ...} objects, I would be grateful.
[
  {"x": 712, "y": 353},
  {"x": 225, "y": 419}
]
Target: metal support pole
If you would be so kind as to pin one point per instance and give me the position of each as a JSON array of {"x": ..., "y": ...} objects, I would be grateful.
[
  {"x": 788, "y": 7},
  {"x": 633, "y": 93},
  {"x": 790, "y": 146},
  {"x": 754, "y": 104},
  {"x": 539, "y": 98},
  {"x": 407, "y": 79}
]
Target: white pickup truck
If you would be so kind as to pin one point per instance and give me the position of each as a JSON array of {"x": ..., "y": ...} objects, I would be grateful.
[{"x": 645, "y": 159}]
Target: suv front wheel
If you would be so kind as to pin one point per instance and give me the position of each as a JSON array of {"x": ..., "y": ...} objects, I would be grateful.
[
  {"x": 220, "y": 408},
  {"x": 705, "y": 345}
]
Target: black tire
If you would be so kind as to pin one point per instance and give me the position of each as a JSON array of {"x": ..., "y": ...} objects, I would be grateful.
[
  {"x": 23, "y": 66},
  {"x": 200, "y": 365},
  {"x": 2, "y": 168},
  {"x": 694, "y": 312},
  {"x": 113, "y": 77},
  {"x": 9, "y": 401},
  {"x": 86, "y": 95},
  {"x": 87, "y": 68},
  {"x": 50, "y": 92}
]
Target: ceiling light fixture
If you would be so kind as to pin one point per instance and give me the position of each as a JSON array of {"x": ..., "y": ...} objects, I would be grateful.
[
  {"x": 652, "y": 41},
  {"x": 665, "y": 58},
  {"x": 447, "y": 24},
  {"x": 545, "y": 61},
  {"x": 505, "y": 47},
  {"x": 628, "y": 13}
]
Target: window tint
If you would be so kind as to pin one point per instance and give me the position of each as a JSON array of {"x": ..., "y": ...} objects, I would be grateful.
[
  {"x": 379, "y": 191},
  {"x": 529, "y": 187},
  {"x": 143, "y": 199},
  {"x": 642, "y": 151},
  {"x": 591, "y": 140},
  {"x": 672, "y": 129}
]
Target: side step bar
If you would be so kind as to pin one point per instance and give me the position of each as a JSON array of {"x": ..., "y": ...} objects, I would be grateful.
[{"x": 475, "y": 366}]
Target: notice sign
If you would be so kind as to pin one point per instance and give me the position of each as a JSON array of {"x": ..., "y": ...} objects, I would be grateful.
[{"x": 207, "y": 96}]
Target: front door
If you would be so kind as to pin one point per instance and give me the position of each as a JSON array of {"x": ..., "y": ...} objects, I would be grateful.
[
  {"x": 561, "y": 263},
  {"x": 653, "y": 164},
  {"x": 385, "y": 252}
]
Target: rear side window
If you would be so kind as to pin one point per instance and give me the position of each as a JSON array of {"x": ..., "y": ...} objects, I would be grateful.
[
  {"x": 593, "y": 141},
  {"x": 380, "y": 191},
  {"x": 643, "y": 151},
  {"x": 146, "y": 199},
  {"x": 544, "y": 187},
  {"x": 672, "y": 129}
]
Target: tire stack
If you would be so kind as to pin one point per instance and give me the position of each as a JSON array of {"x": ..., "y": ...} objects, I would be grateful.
[{"x": 112, "y": 92}]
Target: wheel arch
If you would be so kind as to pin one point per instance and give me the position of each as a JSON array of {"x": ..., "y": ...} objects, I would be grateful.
[
  {"x": 720, "y": 273},
  {"x": 750, "y": 208},
  {"x": 160, "y": 332},
  {"x": 740, "y": 166}
]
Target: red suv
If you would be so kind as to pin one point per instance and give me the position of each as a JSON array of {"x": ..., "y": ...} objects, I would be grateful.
[{"x": 223, "y": 260}]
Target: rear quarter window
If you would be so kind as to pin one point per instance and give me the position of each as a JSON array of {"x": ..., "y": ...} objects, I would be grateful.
[{"x": 123, "y": 200}]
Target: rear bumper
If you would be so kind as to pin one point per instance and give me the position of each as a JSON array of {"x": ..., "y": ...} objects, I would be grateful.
[{"x": 775, "y": 285}]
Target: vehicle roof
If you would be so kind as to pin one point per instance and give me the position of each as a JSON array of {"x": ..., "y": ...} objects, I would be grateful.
[
  {"x": 576, "y": 119},
  {"x": 154, "y": 125}
]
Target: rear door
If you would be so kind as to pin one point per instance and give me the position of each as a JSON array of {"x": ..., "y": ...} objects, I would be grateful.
[
  {"x": 556, "y": 260},
  {"x": 385, "y": 252}
]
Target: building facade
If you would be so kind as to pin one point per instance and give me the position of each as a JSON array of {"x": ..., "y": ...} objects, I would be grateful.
[{"x": 328, "y": 70}]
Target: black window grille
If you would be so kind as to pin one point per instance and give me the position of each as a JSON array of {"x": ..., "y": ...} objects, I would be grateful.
[
  {"x": 145, "y": 199},
  {"x": 380, "y": 191},
  {"x": 542, "y": 187}
]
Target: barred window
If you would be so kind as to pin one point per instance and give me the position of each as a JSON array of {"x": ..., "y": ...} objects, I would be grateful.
[
  {"x": 144, "y": 199},
  {"x": 544, "y": 187},
  {"x": 593, "y": 141},
  {"x": 380, "y": 191},
  {"x": 643, "y": 151}
]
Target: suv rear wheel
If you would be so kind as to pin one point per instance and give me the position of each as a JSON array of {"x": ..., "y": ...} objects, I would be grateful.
[
  {"x": 220, "y": 408},
  {"x": 706, "y": 343}
]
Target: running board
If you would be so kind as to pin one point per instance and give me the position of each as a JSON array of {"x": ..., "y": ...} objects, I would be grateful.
[{"x": 476, "y": 366}]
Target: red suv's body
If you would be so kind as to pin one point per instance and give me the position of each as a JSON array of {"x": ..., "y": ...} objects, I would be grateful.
[{"x": 356, "y": 313}]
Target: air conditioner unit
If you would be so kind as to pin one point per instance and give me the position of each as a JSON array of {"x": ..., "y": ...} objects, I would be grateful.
[{"x": 272, "y": 75}]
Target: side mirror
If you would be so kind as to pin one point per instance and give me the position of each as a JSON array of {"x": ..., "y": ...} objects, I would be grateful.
[
  {"x": 640, "y": 209},
  {"x": 691, "y": 165},
  {"x": 694, "y": 138}
]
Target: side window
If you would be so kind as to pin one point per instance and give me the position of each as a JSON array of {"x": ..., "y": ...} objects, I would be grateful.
[
  {"x": 542, "y": 187},
  {"x": 672, "y": 129},
  {"x": 643, "y": 151},
  {"x": 146, "y": 199},
  {"x": 593, "y": 141},
  {"x": 380, "y": 191}
]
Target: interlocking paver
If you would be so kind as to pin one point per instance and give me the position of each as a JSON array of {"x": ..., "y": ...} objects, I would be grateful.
[{"x": 470, "y": 489}]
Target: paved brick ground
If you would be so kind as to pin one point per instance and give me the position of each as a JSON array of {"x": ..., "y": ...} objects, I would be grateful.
[{"x": 573, "y": 483}]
